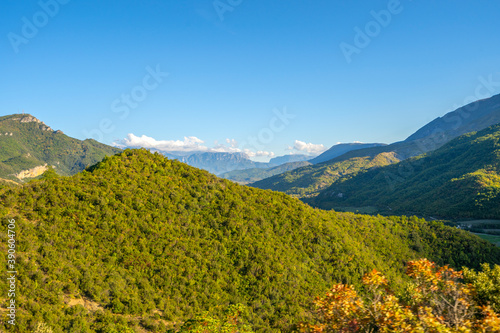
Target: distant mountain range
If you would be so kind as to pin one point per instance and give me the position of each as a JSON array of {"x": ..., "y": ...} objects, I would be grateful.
[
  {"x": 291, "y": 158},
  {"x": 218, "y": 163},
  {"x": 285, "y": 163},
  {"x": 252, "y": 175},
  {"x": 459, "y": 180},
  {"x": 227, "y": 165},
  {"x": 28, "y": 148},
  {"x": 308, "y": 181}
]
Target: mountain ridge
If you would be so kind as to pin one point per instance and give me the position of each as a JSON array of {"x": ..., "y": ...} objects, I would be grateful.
[
  {"x": 309, "y": 180},
  {"x": 342, "y": 148},
  {"x": 461, "y": 179},
  {"x": 234, "y": 163},
  {"x": 468, "y": 118},
  {"x": 27, "y": 143}
]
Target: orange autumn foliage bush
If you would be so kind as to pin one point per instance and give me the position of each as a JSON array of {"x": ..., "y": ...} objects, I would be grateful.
[{"x": 435, "y": 301}]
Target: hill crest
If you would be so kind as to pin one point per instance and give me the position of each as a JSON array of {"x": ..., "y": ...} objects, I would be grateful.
[{"x": 29, "y": 147}]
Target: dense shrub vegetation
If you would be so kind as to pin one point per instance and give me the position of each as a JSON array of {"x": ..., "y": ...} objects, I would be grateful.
[
  {"x": 435, "y": 301},
  {"x": 142, "y": 241}
]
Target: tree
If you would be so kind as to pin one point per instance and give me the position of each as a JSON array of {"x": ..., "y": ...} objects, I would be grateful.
[
  {"x": 435, "y": 301},
  {"x": 42, "y": 328},
  {"x": 486, "y": 284},
  {"x": 205, "y": 323}
]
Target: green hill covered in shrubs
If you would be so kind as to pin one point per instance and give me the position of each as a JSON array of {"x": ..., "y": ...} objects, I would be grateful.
[{"x": 139, "y": 243}]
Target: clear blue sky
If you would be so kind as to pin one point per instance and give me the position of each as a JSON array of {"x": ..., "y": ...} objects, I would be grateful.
[{"x": 230, "y": 63}]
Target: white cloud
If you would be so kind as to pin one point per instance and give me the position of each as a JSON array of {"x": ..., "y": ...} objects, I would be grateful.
[
  {"x": 232, "y": 142},
  {"x": 189, "y": 144},
  {"x": 262, "y": 153},
  {"x": 310, "y": 148},
  {"x": 220, "y": 148}
]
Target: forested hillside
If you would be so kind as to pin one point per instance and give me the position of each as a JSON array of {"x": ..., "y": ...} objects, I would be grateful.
[
  {"x": 144, "y": 242},
  {"x": 459, "y": 180},
  {"x": 27, "y": 143}
]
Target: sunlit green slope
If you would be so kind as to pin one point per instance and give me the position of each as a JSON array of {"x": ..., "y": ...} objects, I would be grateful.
[
  {"x": 142, "y": 242},
  {"x": 459, "y": 180}
]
